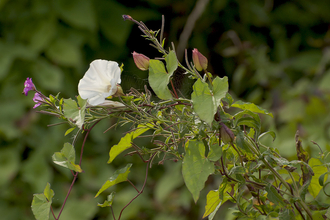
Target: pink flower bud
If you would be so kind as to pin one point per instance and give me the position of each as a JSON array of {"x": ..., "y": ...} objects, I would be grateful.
[
  {"x": 141, "y": 61},
  {"x": 199, "y": 59}
]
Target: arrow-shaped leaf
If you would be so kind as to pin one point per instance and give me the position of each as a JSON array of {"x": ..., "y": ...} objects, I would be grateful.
[
  {"x": 195, "y": 167},
  {"x": 126, "y": 141},
  {"x": 41, "y": 203},
  {"x": 205, "y": 101},
  {"x": 109, "y": 200},
  {"x": 159, "y": 77},
  {"x": 118, "y": 177},
  {"x": 66, "y": 158}
]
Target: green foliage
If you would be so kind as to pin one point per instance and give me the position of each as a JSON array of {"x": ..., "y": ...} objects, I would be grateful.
[
  {"x": 206, "y": 101},
  {"x": 159, "y": 77},
  {"x": 275, "y": 57},
  {"x": 126, "y": 141},
  {"x": 315, "y": 187},
  {"x": 195, "y": 167},
  {"x": 42, "y": 202},
  {"x": 66, "y": 158},
  {"x": 118, "y": 177}
]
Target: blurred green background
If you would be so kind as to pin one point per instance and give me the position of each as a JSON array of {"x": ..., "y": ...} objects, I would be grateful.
[{"x": 275, "y": 53}]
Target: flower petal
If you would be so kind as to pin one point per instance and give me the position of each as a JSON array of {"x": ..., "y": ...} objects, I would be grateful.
[{"x": 100, "y": 81}]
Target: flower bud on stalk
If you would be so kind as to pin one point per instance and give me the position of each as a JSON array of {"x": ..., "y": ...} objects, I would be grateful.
[
  {"x": 226, "y": 134},
  {"x": 141, "y": 61},
  {"x": 119, "y": 92},
  {"x": 200, "y": 61}
]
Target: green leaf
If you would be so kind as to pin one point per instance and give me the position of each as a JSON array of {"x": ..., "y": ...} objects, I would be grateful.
[
  {"x": 271, "y": 133},
  {"x": 213, "y": 203},
  {"x": 66, "y": 158},
  {"x": 159, "y": 79},
  {"x": 118, "y": 177},
  {"x": 48, "y": 192},
  {"x": 314, "y": 188},
  {"x": 229, "y": 99},
  {"x": 195, "y": 167},
  {"x": 205, "y": 101},
  {"x": 126, "y": 141},
  {"x": 251, "y": 107},
  {"x": 171, "y": 62},
  {"x": 69, "y": 131},
  {"x": 215, "y": 198},
  {"x": 74, "y": 113},
  {"x": 109, "y": 200},
  {"x": 41, "y": 203},
  {"x": 249, "y": 119},
  {"x": 215, "y": 152},
  {"x": 220, "y": 89},
  {"x": 274, "y": 196}
]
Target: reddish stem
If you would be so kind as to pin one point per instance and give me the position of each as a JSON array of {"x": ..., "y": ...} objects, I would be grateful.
[
  {"x": 141, "y": 191},
  {"x": 176, "y": 95},
  {"x": 75, "y": 175}
]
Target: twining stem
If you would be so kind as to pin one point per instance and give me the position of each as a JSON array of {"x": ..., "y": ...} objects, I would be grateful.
[
  {"x": 75, "y": 175},
  {"x": 143, "y": 186},
  {"x": 176, "y": 95}
]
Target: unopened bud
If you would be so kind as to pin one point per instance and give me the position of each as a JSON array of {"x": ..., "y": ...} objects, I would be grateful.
[
  {"x": 127, "y": 17},
  {"x": 226, "y": 134},
  {"x": 141, "y": 61},
  {"x": 200, "y": 61},
  {"x": 119, "y": 91}
]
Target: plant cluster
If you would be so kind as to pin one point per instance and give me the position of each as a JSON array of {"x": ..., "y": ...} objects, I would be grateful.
[{"x": 209, "y": 133}]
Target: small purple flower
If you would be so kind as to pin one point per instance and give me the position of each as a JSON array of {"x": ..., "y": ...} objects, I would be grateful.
[
  {"x": 38, "y": 100},
  {"x": 28, "y": 86}
]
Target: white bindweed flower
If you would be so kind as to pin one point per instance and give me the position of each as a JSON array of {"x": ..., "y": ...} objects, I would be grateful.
[{"x": 100, "y": 81}]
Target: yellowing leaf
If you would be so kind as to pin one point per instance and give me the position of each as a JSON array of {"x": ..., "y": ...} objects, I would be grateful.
[
  {"x": 66, "y": 158},
  {"x": 213, "y": 202},
  {"x": 118, "y": 177},
  {"x": 126, "y": 141},
  {"x": 109, "y": 200},
  {"x": 314, "y": 188}
]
